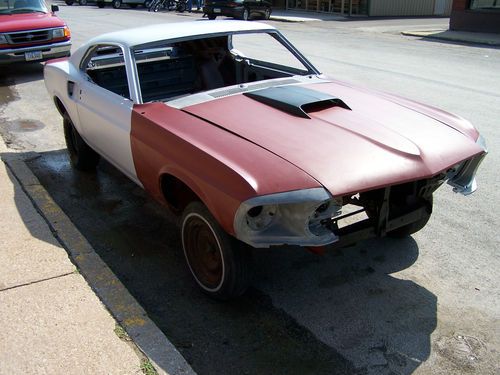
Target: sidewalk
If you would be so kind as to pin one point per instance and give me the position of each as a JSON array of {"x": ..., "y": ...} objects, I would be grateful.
[{"x": 51, "y": 320}]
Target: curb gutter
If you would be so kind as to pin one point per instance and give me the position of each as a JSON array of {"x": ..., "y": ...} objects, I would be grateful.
[{"x": 121, "y": 304}]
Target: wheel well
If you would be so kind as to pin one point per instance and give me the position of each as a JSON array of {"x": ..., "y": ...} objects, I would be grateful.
[
  {"x": 60, "y": 106},
  {"x": 177, "y": 194}
]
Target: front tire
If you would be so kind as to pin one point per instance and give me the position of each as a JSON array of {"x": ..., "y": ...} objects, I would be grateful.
[
  {"x": 117, "y": 4},
  {"x": 82, "y": 157},
  {"x": 267, "y": 13},
  {"x": 218, "y": 262},
  {"x": 212, "y": 17},
  {"x": 414, "y": 227},
  {"x": 246, "y": 15}
]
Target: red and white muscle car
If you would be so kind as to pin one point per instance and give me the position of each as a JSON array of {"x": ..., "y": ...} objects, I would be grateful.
[{"x": 232, "y": 128}]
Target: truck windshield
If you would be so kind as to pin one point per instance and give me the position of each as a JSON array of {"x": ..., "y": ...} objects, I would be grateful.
[{"x": 22, "y": 6}]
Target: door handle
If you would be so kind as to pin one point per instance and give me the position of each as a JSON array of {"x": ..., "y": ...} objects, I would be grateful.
[{"x": 70, "y": 87}]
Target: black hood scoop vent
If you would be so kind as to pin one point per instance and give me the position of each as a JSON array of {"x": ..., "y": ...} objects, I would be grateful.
[{"x": 296, "y": 100}]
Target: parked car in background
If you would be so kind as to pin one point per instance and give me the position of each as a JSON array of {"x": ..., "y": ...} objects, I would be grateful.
[
  {"x": 234, "y": 130},
  {"x": 30, "y": 32},
  {"x": 242, "y": 9}
]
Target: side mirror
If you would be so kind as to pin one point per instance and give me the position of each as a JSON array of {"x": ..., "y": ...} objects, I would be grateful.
[{"x": 54, "y": 8}]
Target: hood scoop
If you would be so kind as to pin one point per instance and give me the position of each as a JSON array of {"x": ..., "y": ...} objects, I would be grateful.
[{"x": 296, "y": 100}]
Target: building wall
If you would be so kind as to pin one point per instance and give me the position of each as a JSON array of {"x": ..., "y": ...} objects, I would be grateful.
[
  {"x": 409, "y": 7},
  {"x": 464, "y": 19}
]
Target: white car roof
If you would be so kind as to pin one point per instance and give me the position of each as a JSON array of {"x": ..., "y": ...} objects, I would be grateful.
[{"x": 165, "y": 31}]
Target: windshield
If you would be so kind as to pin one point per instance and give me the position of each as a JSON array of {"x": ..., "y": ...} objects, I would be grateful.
[{"x": 22, "y": 6}]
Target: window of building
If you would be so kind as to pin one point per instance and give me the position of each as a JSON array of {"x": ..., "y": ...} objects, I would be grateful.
[{"x": 485, "y": 4}]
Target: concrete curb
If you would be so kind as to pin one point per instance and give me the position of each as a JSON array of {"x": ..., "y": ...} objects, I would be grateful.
[
  {"x": 456, "y": 36},
  {"x": 122, "y": 305}
]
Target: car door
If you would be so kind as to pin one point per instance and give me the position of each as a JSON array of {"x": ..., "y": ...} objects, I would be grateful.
[{"x": 104, "y": 106}]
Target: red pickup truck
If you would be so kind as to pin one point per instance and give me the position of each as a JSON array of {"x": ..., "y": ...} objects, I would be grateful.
[{"x": 29, "y": 31}]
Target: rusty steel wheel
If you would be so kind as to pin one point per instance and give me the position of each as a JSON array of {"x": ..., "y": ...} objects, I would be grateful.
[{"x": 218, "y": 263}]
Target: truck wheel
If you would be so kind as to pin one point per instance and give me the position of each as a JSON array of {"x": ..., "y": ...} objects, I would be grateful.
[
  {"x": 218, "y": 262},
  {"x": 82, "y": 157},
  {"x": 117, "y": 4}
]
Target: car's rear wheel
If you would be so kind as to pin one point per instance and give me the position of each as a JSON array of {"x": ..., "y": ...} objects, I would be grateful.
[
  {"x": 82, "y": 2},
  {"x": 212, "y": 17},
  {"x": 245, "y": 15},
  {"x": 117, "y": 4},
  {"x": 218, "y": 262},
  {"x": 82, "y": 157}
]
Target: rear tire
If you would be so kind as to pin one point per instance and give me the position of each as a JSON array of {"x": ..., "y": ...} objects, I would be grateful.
[
  {"x": 82, "y": 157},
  {"x": 117, "y": 4},
  {"x": 211, "y": 17},
  {"x": 218, "y": 262}
]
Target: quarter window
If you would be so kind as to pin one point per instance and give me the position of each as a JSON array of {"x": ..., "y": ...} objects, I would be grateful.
[{"x": 105, "y": 66}]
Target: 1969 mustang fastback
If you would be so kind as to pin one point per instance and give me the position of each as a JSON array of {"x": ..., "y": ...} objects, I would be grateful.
[{"x": 231, "y": 127}]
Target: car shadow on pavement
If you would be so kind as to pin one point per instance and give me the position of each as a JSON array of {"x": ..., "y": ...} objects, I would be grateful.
[
  {"x": 342, "y": 313},
  {"x": 20, "y": 73}
]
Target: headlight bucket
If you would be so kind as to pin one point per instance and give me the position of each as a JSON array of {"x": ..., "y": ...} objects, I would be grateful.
[{"x": 294, "y": 218}]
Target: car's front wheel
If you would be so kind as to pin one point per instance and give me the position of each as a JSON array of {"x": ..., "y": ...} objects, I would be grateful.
[
  {"x": 218, "y": 262},
  {"x": 82, "y": 157},
  {"x": 267, "y": 13},
  {"x": 117, "y": 4},
  {"x": 212, "y": 17},
  {"x": 414, "y": 227},
  {"x": 246, "y": 15}
]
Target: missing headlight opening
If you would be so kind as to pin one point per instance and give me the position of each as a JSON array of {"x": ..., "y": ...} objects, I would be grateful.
[{"x": 260, "y": 217}]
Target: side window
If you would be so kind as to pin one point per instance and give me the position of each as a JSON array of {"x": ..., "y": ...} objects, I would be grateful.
[{"x": 105, "y": 66}]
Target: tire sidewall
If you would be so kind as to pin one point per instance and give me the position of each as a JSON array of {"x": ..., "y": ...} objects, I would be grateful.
[{"x": 185, "y": 220}]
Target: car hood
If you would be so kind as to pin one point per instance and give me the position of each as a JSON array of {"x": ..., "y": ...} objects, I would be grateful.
[
  {"x": 28, "y": 21},
  {"x": 371, "y": 140}
]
